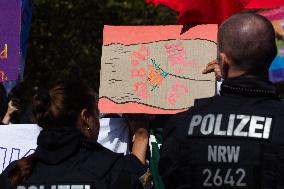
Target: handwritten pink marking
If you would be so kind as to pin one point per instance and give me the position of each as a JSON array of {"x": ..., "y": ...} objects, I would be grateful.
[
  {"x": 134, "y": 63},
  {"x": 176, "y": 91},
  {"x": 140, "y": 88},
  {"x": 144, "y": 50},
  {"x": 142, "y": 53},
  {"x": 138, "y": 72},
  {"x": 177, "y": 56}
]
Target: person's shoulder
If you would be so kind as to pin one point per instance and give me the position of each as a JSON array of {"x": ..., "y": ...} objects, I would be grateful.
[
  {"x": 112, "y": 169},
  {"x": 200, "y": 102},
  {"x": 126, "y": 173},
  {"x": 131, "y": 163},
  {"x": 181, "y": 119},
  {"x": 98, "y": 151},
  {"x": 175, "y": 121},
  {"x": 9, "y": 168},
  {"x": 108, "y": 158},
  {"x": 95, "y": 152},
  {"x": 4, "y": 182}
]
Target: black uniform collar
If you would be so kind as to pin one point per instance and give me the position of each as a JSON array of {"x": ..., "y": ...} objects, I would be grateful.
[
  {"x": 248, "y": 86},
  {"x": 57, "y": 144}
]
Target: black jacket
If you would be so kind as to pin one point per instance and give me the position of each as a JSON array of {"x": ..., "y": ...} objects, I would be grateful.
[
  {"x": 235, "y": 140},
  {"x": 65, "y": 157}
]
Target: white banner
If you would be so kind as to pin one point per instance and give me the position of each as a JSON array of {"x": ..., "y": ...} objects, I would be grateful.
[{"x": 17, "y": 141}]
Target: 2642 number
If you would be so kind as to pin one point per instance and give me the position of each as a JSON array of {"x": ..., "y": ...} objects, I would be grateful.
[{"x": 231, "y": 178}]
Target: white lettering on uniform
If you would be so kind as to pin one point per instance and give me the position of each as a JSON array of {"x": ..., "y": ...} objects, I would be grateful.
[
  {"x": 233, "y": 153},
  {"x": 21, "y": 187},
  {"x": 238, "y": 125},
  {"x": 196, "y": 120},
  {"x": 254, "y": 125},
  {"x": 63, "y": 187},
  {"x": 57, "y": 187},
  {"x": 239, "y": 129},
  {"x": 217, "y": 130},
  {"x": 32, "y": 187},
  {"x": 231, "y": 124},
  {"x": 212, "y": 153},
  {"x": 223, "y": 154},
  {"x": 77, "y": 187},
  {"x": 207, "y": 129},
  {"x": 267, "y": 126}
]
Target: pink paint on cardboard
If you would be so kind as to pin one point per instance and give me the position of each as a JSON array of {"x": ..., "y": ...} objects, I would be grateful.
[{"x": 155, "y": 69}]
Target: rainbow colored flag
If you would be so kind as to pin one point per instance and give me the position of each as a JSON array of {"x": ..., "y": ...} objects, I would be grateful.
[{"x": 276, "y": 72}]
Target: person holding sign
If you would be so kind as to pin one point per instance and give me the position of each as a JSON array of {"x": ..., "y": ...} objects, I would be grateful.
[
  {"x": 68, "y": 155},
  {"x": 234, "y": 140}
]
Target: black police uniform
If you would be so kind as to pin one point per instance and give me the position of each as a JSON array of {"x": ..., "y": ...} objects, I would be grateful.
[
  {"x": 66, "y": 159},
  {"x": 235, "y": 140}
]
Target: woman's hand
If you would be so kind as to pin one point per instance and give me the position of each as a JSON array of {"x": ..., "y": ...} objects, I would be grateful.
[
  {"x": 140, "y": 124},
  {"x": 11, "y": 109}
]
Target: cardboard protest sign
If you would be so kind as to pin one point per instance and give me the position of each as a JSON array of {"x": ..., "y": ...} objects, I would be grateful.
[
  {"x": 10, "y": 26},
  {"x": 155, "y": 69},
  {"x": 276, "y": 16}
]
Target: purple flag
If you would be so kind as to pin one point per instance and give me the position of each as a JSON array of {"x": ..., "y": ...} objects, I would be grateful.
[{"x": 10, "y": 27}]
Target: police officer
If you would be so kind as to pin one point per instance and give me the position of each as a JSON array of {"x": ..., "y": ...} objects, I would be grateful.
[
  {"x": 68, "y": 156},
  {"x": 235, "y": 140}
]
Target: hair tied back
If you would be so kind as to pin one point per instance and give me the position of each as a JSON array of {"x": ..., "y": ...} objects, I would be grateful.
[{"x": 41, "y": 101}]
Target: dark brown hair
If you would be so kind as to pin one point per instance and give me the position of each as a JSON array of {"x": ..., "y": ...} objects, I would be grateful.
[
  {"x": 61, "y": 105},
  {"x": 58, "y": 107}
]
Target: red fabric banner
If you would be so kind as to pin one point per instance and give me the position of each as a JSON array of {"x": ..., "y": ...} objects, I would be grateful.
[
  {"x": 212, "y": 11},
  {"x": 259, "y": 4}
]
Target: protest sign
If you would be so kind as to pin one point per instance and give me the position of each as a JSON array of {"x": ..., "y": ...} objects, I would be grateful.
[
  {"x": 276, "y": 16},
  {"x": 10, "y": 26},
  {"x": 16, "y": 141},
  {"x": 155, "y": 69}
]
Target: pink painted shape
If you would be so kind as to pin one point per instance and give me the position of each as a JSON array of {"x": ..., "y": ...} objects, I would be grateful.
[
  {"x": 177, "y": 56},
  {"x": 140, "y": 88},
  {"x": 128, "y": 35},
  {"x": 134, "y": 63},
  {"x": 176, "y": 91},
  {"x": 138, "y": 56},
  {"x": 107, "y": 106},
  {"x": 138, "y": 72}
]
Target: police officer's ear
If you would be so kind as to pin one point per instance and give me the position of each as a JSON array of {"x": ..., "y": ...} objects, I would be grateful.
[{"x": 225, "y": 64}]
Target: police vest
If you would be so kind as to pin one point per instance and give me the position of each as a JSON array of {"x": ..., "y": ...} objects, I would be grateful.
[{"x": 233, "y": 143}]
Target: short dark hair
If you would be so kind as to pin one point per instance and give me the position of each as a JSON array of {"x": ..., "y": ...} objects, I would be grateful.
[{"x": 249, "y": 41}]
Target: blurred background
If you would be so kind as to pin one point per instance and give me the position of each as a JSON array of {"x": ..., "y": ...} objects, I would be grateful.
[{"x": 66, "y": 36}]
